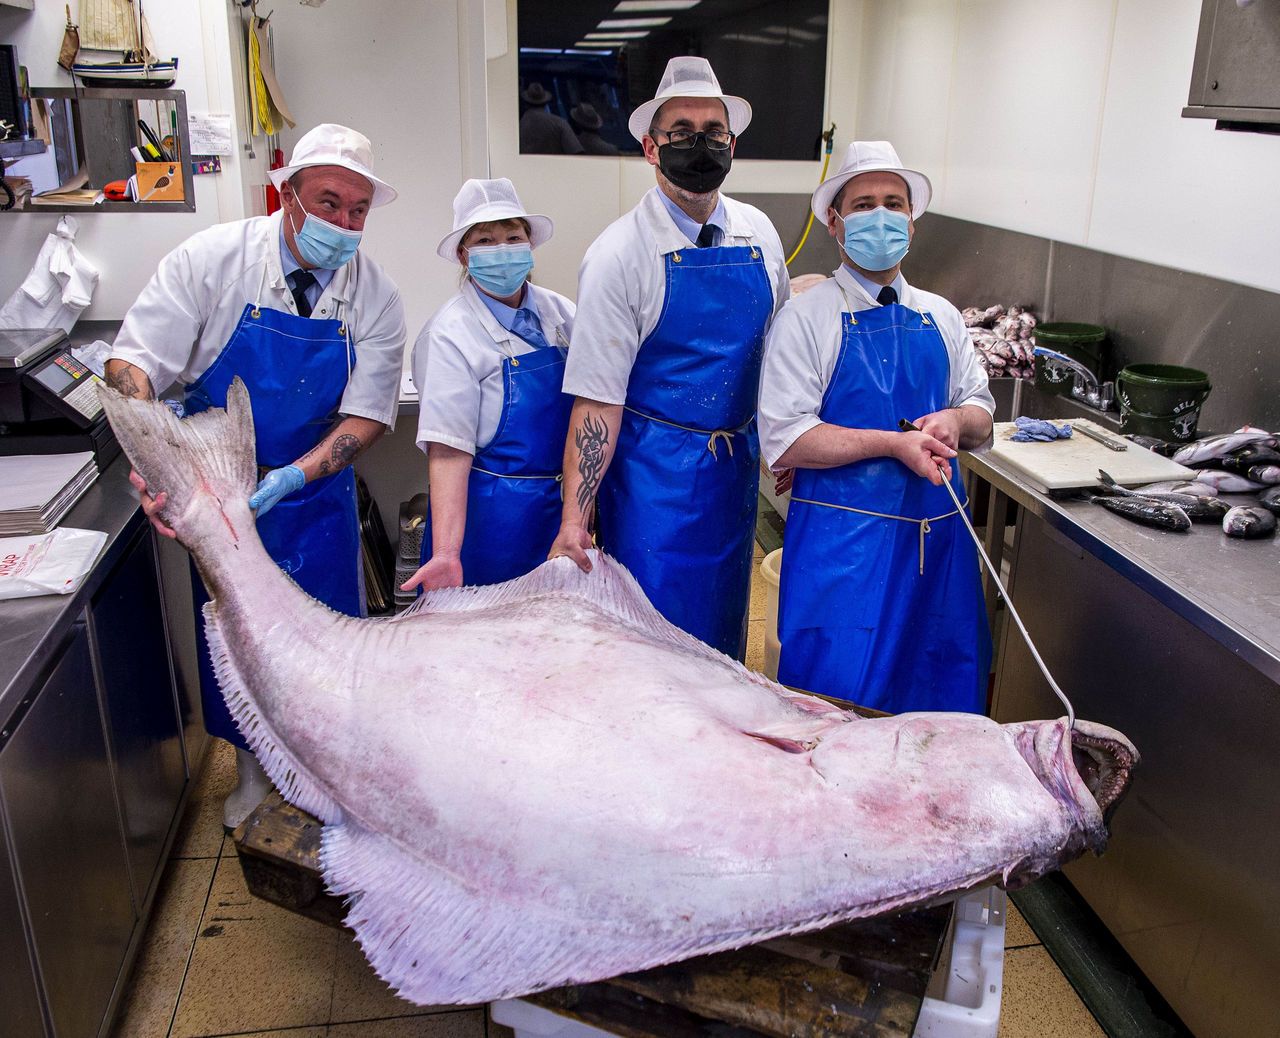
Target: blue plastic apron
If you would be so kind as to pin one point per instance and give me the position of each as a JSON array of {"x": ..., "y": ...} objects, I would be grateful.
[
  {"x": 296, "y": 369},
  {"x": 678, "y": 504},
  {"x": 883, "y": 609},
  {"x": 513, "y": 494}
]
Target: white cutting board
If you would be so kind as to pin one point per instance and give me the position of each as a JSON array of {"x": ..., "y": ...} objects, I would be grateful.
[{"x": 1071, "y": 463}]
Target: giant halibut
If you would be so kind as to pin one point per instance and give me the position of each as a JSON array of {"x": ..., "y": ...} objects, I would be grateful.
[{"x": 544, "y": 782}]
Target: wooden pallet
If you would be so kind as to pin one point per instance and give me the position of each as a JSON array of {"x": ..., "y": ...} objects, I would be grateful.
[{"x": 854, "y": 980}]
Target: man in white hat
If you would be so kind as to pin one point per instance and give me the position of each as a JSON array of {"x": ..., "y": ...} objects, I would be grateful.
[
  {"x": 880, "y": 602},
  {"x": 316, "y": 331},
  {"x": 673, "y": 302}
]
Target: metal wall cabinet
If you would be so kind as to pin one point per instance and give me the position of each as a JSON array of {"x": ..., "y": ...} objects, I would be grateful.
[
  {"x": 140, "y": 709},
  {"x": 1233, "y": 78},
  {"x": 67, "y": 843}
]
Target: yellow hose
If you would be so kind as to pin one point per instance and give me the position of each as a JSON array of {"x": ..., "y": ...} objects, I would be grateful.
[{"x": 829, "y": 136}]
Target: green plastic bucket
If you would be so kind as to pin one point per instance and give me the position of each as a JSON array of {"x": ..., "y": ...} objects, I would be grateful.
[
  {"x": 1161, "y": 400},
  {"x": 1086, "y": 343}
]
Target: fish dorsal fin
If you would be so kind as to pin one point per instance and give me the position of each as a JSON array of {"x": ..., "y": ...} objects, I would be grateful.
[{"x": 609, "y": 587}]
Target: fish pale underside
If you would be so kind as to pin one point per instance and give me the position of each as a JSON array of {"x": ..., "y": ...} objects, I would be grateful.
[{"x": 544, "y": 782}]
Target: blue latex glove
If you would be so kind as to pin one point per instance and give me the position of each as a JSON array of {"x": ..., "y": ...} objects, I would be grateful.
[
  {"x": 1030, "y": 429},
  {"x": 274, "y": 487},
  {"x": 175, "y": 406}
]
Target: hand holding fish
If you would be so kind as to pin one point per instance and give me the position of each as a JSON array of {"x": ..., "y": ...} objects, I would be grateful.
[
  {"x": 573, "y": 540},
  {"x": 440, "y": 571},
  {"x": 151, "y": 506}
]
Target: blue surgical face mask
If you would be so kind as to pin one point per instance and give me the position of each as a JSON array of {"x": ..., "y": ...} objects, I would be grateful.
[
  {"x": 500, "y": 269},
  {"x": 876, "y": 239},
  {"x": 323, "y": 245}
]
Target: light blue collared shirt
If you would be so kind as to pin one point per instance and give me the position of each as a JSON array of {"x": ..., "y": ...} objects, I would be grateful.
[
  {"x": 872, "y": 289},
  {"x": 689, "y": 226},
  {"x": 503, "y": 314},
  {"x": 288, "y": 264}
]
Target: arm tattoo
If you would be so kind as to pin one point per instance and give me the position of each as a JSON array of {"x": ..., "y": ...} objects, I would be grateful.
[
  {"x": 343, "y": 453},
  {"x": 590, "y": 440},
  {"x": 122, "y": 382}
]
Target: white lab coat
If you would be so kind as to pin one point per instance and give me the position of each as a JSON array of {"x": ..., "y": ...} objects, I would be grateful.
[
  {"x": 59, "y": 287},
  {"x": 803, "y": 345},
  {"x": 192, "y": 304},
  {"x": 622, "y": 289},
  {"x": 457, "y": 365}
]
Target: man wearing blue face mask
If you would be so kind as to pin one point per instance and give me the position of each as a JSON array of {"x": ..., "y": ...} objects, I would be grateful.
[
  {"x": 316, "y": 331},
  {"x": 880, "y": 602}
]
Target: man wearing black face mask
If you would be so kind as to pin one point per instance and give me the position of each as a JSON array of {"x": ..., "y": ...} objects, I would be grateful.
[{"x": 674, "y": 300}]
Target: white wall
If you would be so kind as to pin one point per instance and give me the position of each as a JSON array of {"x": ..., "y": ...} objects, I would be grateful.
[
  {"x": 127, "y": 246},
  {"x": 1063, "y": 120},
  {"x": 395, "y": 70}
]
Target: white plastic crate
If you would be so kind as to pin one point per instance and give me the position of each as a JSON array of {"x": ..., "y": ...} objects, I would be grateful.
[{"x": 964, "y": 1000}]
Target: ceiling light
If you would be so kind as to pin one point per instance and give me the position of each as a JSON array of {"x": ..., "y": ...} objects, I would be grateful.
[
  {"x": 747, "y": 37},
  {"x": 598, "y": 43},
  {"x": 627, "y": 6},
  {"x": 638, "y": 35},
  {"x": 633, "y": 23},
  {"x": 539, "y": 50}
]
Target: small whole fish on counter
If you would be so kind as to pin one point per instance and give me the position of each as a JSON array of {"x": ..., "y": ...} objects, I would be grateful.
[
  {"x": 1004, "y": 338},
  {"x": 1198, "y": 508},
  {"x": 1249, "y": 522},
  {"x": 1211, "y": 448},
  {"x": 1146, "y": 511},
  {"x": 1270, "y": 500}
]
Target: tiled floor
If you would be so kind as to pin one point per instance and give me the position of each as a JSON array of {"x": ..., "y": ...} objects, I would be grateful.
[{"x": 217, "y": 961}]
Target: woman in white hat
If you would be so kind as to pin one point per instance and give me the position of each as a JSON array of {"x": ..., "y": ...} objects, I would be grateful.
[
  {"x": 492, "y": 418},
  {"x": 315, "y": 329},
  {"x": 880, "y": 602}
]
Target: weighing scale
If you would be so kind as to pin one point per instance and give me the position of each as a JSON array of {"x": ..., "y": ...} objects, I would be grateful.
[{"x": 49, "y": 400}]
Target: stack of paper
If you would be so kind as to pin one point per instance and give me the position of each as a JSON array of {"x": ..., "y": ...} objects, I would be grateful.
[{"x": 37, "y": 490}]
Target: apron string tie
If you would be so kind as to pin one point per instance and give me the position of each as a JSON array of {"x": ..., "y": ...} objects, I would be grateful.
[
  {"x": 712, "y": 435},
  {"x": 925, "y": 525},
  {"x": 558, "y": 476}
]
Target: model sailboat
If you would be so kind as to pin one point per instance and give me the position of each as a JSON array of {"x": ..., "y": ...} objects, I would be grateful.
[{"x": 117, "y": 26}]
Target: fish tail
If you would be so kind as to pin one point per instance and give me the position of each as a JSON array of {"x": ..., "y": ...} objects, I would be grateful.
[{"x": 207, "y": 457}]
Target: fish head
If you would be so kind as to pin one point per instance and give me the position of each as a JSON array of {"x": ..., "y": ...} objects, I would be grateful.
[{"x": 1105, "y": 761}]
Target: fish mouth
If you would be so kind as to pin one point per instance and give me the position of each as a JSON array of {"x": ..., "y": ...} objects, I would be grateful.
[{"x": 1105, "y": 761}]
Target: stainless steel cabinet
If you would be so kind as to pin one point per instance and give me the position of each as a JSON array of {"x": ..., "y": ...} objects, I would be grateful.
[
  {"x": 140, "y": 708},
  {"x": 1234, "y": 76},
  {"x": 19, "y": 1001},
  {"x": 67, "y": 843}
]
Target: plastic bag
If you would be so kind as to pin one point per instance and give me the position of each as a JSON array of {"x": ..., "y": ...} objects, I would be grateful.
[
  {"x": 59, "y": 287},
  {"x": 47, "y": 563}
]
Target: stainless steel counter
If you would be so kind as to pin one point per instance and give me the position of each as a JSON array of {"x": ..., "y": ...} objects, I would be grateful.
[
  {"x": 32, "y": 630},
  {"x": 1228, "y": 588},
  {"x": 1173, "y": 639}
]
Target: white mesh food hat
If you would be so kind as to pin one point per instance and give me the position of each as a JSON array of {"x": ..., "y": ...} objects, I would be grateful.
[
  {"x": 483, "y": 201},
  {"x": 332, "y": 145},
  {"x": 871, "y": 157},
  {"x": 689, "y": 77}
]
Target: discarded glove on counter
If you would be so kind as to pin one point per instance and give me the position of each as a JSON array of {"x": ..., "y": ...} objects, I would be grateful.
[{"x": 1031, "y": 429}]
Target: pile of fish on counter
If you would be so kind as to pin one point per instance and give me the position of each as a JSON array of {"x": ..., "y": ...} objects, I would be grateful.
[
  {"x": 1004, "y": 338},
  {"x": 1243, "y": 462}
]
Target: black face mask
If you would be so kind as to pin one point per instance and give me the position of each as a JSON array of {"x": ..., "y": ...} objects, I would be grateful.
[{"x": 697, "y": 169}]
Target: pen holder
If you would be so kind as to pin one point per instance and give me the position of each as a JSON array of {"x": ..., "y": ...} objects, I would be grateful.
[{"x": 160, "y": 182}]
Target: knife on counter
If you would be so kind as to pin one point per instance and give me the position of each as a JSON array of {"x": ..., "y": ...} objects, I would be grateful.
[{"x": 1110, "y": 442}]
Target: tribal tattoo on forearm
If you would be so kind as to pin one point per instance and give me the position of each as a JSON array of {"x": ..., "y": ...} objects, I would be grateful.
[
  {"x": 343, "y": 453},
  {"x": 590, "y": 440}
]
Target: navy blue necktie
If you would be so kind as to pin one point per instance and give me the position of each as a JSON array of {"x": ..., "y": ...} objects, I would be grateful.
[
  {"x": 299, "y": 281},
  {"x": 888, "y": 296},
  {"x": 707, "y": 236},
  {"x": 529, "y": 328}
]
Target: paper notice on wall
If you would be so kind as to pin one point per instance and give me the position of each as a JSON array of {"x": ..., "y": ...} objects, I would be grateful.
[{"x": 210, "y": 133}]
